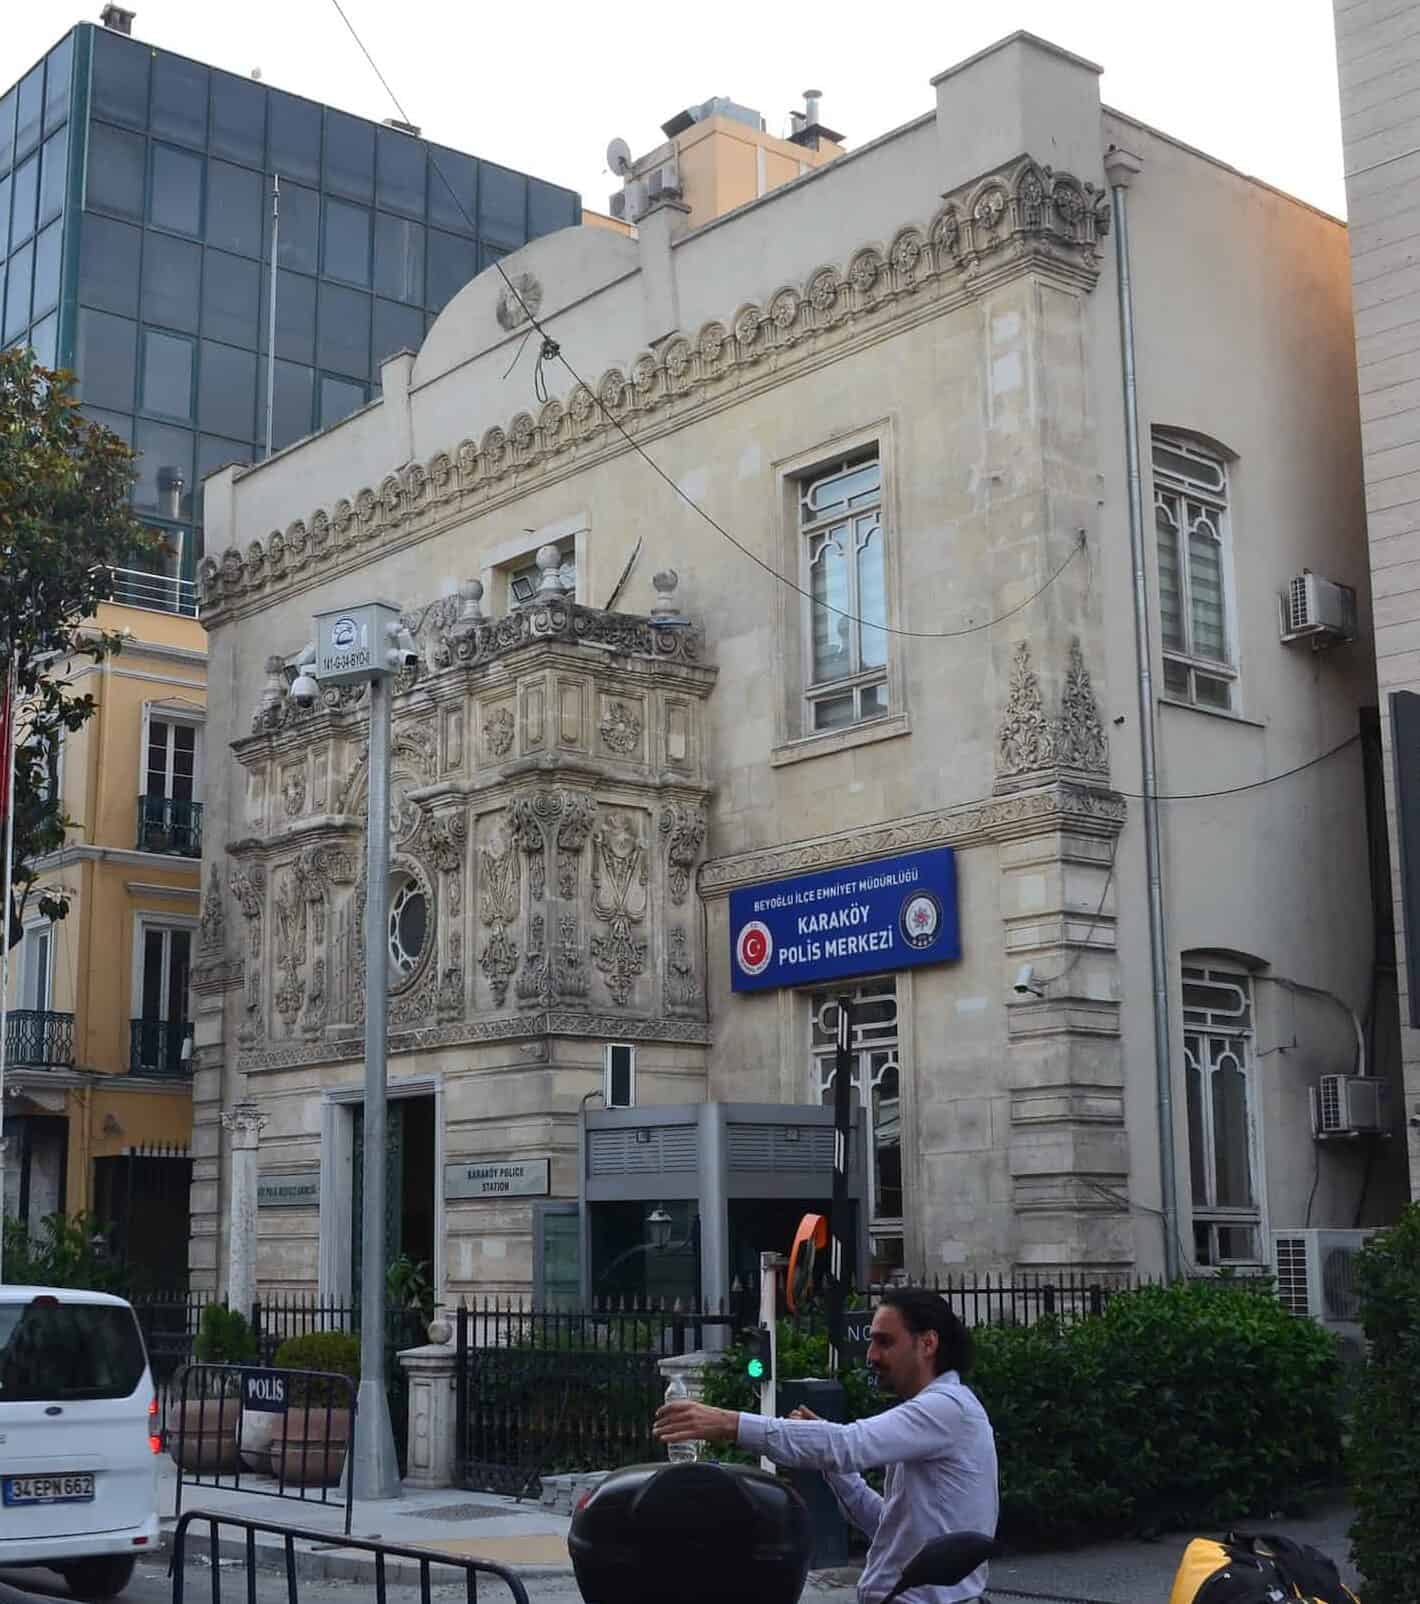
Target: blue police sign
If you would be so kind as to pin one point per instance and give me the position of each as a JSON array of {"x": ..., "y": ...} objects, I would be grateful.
[{"x": 861, "y": 919}]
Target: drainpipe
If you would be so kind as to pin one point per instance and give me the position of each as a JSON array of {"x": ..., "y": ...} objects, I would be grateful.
[{"x": 1120, "y": 168}]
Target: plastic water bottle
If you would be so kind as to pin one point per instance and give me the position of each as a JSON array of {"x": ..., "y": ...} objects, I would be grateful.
[{"x": 681, "y": 1453}]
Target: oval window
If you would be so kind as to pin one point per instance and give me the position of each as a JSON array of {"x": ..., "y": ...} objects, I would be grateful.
[{"x": 408, "y": 927}]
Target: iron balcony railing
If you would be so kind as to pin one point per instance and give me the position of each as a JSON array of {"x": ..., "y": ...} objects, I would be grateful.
[
  {"x": 155, "y": 1048},
  {"x": 168, "y": 826},
  {"x": 163, "y": 593},
  {"x": 38, "y": 1037}
]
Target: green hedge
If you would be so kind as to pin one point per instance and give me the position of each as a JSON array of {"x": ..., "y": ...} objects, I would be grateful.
[
  {"x": 1385, "y": 1444},
  {"x": 1183, "y": 1406}
]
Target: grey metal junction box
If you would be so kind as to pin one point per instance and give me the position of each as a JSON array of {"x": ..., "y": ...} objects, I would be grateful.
[{"x": 734, "y": 1179}]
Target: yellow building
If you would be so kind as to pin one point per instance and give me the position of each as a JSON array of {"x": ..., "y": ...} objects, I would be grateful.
[{"x": 98, "y": 1096}]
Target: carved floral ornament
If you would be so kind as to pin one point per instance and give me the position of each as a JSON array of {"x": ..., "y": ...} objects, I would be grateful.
[
  {"x": 1029, "y": 739},
  {"x": 1021, "y": 213}
]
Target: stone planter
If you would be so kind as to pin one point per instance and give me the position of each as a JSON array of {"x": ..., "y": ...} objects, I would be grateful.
[
  {"x": 202, "y": 1434},
  {"x": 258, "y": 1428},
  {"x": 308, "y": 1464}
]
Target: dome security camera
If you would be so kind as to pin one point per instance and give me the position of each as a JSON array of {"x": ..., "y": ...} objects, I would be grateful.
[{"x": 305, "y": 689}]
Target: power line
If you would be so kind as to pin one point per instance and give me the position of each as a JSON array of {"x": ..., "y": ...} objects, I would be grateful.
[
  {"x": 552, "y": 351},
  {"x": 1252, "y": 785}
]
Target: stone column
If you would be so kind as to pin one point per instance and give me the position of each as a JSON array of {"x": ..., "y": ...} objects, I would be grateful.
[
  {"x": 245, "y": 1122},
  {"x": 433, "y": 1420},
  {"x": 691, "y": 1368}
]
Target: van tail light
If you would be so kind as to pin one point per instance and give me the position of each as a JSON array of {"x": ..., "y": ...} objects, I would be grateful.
[{"x": 155, "y": 1439}]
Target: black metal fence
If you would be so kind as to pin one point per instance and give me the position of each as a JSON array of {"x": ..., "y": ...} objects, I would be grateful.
[
  {"x": 282, "y": 1433},
  {"x": 1018, "y": 1299},
  {"x": 540, "y": 1391},
  {"x": 169, "y": 1322},
  {"x": 166, "y": 824},
  {"x": 288, "y": 1536}
]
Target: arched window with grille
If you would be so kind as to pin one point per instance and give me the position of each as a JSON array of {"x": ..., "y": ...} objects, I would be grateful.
[
  {"x": 1222, "y": 1112},
  {"x": 1193, "y": 537}
]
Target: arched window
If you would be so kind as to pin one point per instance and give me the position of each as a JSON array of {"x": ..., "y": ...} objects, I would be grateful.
[
  {"x": 1222, "y": 1139},
  {"x": 1191, "y": 527}
]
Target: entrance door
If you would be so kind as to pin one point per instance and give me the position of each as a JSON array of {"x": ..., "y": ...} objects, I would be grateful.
[
  {"x": 161, "y": 1025},
  {"x": 409, "y": 1186}
]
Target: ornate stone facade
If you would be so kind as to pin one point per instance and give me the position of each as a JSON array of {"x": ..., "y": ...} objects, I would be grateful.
[{"x": 543, "y": 870}]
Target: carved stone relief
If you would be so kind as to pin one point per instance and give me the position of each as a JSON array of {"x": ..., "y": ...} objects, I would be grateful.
[
  {"x": 248, "y": 886},
  {"x": 684, "y": 829},
  {"x": 289, "y": 907},
  {"x": 498, "y": 731},
  {"x": 621, "y": 728},
  {"x": 684, "y": 993},
  {"x": 1030, "y": 741},
  {"x": 214, "y": 917},
  {"x": 501, "y": 886},
  {"x": 619, "y": 901}
]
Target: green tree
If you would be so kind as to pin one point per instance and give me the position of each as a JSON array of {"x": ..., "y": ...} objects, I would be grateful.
[{"x": 65, "y": 525}]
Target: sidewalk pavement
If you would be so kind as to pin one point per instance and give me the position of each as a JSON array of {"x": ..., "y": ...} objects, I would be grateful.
[
  {"x": 533, "y": 1541},
  {"x": 523, "y": 1536}
]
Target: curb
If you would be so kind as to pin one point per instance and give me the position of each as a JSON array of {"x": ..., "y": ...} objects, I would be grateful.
[{"x": 312, "y": 1565}]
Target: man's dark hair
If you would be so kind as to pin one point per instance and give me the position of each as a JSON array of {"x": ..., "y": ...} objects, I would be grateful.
[{"x": 924, "y": 1311}]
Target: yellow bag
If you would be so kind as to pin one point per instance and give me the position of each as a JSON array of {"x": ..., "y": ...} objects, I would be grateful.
[{"x": 1257, "y": 1569}]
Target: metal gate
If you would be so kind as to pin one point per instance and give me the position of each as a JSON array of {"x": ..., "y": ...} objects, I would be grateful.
[{"x": 541, "y": 1392}]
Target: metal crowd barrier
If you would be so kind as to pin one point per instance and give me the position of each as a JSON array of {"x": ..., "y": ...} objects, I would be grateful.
[
  {"x": 471, "y": 1568},
  {"x": 304, "y": 1458}
]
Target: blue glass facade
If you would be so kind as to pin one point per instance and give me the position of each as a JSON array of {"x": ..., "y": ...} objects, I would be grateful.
[{"x": 135, "y": 248}]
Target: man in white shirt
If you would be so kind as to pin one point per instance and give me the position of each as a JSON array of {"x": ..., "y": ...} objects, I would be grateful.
[{"x": 937, "y": 1445}]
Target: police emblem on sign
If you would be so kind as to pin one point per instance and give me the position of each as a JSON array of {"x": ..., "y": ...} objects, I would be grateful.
[
  {"x": 754, "y": 948},
  {"x": 920, "y": 919}
]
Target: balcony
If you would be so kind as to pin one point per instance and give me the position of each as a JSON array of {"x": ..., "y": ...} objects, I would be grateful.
[
  {"x": 162, "y": 593},
  {"x": 168, "y": 826},
  {"x": 155, "y": 1048},
  {"x": 39, "y": 1039}
]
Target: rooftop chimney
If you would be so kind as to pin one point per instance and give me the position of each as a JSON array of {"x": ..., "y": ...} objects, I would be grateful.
[
  {"x": 812, "y": 100},
  {"x": 117, "y": 18}
]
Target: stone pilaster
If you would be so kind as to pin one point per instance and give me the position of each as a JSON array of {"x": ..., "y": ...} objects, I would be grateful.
[{"x": 245, "y": 1123}]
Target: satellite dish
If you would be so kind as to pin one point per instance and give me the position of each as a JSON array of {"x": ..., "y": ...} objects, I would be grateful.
[{"x": 618, "y": 157}]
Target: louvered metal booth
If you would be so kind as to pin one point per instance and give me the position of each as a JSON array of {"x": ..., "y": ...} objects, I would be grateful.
[{"x": 678, "y": 1202}]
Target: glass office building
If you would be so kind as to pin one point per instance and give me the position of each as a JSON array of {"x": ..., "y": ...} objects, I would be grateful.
[{"x": 135, "y": 249}]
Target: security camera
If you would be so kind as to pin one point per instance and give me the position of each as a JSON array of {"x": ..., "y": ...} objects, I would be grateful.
[
  {"x": 305, "y": 688},
  {"x": 404, "y": 653},
  {"x": 1026, "y": 984}
]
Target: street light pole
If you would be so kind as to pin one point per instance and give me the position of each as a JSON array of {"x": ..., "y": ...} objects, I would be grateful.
[
  {"x": 366, "y": 645},
  {"x": 376, "y": 1469}
]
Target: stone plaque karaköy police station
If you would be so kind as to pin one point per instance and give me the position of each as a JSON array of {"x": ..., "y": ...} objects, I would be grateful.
[{"x": 525, "y": 1177}]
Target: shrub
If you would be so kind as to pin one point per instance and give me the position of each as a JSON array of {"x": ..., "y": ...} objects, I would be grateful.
[
  {"x": 63, "y": 1251},
  {"x": 334, "y": 1352},
  {"x": 1385, "y": 1443},
  {"x": 224, "y": 1337},
  {"x": 1189, "y": 1405}
]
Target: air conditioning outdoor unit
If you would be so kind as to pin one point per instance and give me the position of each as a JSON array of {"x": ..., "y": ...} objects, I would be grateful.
[
  {"x": 1350, "y": 1105},
  {"x": 1316, "y": 1277},
  {"x": 1318, "y": 610}
]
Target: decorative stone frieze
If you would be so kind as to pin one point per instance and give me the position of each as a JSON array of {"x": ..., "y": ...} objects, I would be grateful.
[{"x": 1033, "y": 746}]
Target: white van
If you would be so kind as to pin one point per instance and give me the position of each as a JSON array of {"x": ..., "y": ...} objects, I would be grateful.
[{"x": 78, "y": 1437}]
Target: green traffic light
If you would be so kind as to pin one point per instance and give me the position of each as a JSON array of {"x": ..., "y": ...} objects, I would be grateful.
[{"x": 755, "y": 1369}]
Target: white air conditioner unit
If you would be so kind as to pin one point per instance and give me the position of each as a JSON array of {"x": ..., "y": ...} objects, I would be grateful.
[
  {"x": 1350, "y": 1105},
  {"x": 1318, "y": 610},
  {"x": 1316, "y": 1277}
]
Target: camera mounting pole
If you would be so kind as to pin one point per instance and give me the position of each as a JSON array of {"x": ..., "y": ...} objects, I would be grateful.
[{"x": 366, "y": 645}]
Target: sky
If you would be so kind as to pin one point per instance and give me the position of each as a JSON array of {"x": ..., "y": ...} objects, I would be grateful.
[{"x": 543, "y": 87}]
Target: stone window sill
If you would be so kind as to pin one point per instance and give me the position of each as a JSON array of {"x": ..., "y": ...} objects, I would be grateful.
[{"x": 869, "y": 733}]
